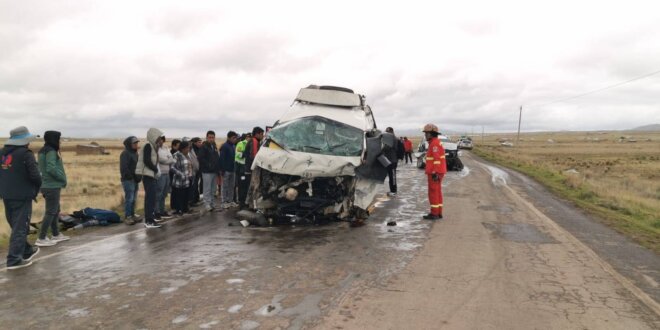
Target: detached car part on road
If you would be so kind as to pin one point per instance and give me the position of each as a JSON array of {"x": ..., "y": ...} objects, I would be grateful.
[
  {"x": 321, "y": 160},
  {"x": 451, "y": 154}
]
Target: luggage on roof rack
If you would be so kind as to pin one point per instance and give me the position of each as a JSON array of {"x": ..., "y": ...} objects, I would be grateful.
[{"x": 329, "y": 95}]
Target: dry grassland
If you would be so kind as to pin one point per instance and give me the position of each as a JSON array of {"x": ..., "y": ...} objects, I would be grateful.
[{"x": 615, "y": 175}]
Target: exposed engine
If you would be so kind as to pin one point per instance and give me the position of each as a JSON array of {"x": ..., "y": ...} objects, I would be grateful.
[{"x": 297, "y": 199}]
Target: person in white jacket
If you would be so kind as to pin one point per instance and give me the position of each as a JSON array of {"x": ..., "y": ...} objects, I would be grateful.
[{"x": 165, "y": 160}]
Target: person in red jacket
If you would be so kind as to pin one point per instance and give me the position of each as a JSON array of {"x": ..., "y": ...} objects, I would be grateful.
[
  {"x": 436, "y": 167},
  {"x": 408, "y": 148}
]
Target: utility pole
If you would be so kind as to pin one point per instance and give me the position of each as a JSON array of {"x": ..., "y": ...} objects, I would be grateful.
[{"x": 519, "y": 119}]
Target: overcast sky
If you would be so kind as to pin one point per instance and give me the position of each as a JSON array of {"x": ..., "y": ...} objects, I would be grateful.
[{"x": 115, "y": 68}]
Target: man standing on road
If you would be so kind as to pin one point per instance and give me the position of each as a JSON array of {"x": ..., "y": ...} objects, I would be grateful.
[
  {"x": 408, "y": 147},
  {"x": 129, "y": 180},
  {"x": 391, "y": 152},
  {"x": 147, "y": 167},
  {"x": 193, "y": 198},
  {"x": 251, "y": 150},
  {"x": 436, "y": 167},
  {"x": 241, "y": 180},
  {"x": 209, "y": 165},
  {"x": 19, "y": 185},
  {"x": 227, "y": 158}
]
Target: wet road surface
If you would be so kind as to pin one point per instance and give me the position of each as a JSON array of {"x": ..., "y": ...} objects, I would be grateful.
[
  {"x": 496, "y": 261},
  {"x": 210, "y": 272}
]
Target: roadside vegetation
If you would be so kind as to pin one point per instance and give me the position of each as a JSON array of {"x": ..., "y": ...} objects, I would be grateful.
[{"x": 614, "y": 175}]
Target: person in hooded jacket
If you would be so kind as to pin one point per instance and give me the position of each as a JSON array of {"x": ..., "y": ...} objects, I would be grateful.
[
  {"x": 129, "y": 180},
  {"x": 147, "y": 167},
  {"x": 20, "y": 181},
  {"x": 53, "y": 181}
]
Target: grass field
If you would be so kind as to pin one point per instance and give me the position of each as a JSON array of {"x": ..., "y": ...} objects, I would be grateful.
[{"x": 615, "y": 175}]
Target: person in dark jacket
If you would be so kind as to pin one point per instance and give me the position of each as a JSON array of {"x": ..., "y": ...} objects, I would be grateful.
[
  {"x": 250, "y": 153},
  {"x": 196, "y": 187},
  {"x": 227, "y": 155},
  {"x": 20, "y": 181},
  {"x": 209, "y": 165},
  {"x": 391, "y": 151},
  {"x": 53, "y": 181},
  {"x": 129, "y": 180}
]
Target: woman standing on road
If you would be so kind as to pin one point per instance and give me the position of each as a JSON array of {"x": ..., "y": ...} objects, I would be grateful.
[
  {"x": 54, "y": 179},
  {"x": 182, "y": 179}
]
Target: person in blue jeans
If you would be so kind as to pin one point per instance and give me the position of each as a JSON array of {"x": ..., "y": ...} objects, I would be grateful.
[
  {"x": 147, "y": 167},
  {"x": 129, "y": 180}
]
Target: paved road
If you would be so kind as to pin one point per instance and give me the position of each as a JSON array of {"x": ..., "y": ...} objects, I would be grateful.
[{"x": 494, "y": 262}]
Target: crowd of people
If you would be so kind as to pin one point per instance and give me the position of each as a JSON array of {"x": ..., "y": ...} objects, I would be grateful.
[{"x": 190, "y": 171}]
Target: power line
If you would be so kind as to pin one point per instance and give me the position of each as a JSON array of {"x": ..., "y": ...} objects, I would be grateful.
[{"x": 600, "y": 89}]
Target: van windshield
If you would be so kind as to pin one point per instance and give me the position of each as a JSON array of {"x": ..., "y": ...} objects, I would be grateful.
[{"x": 319, "y": 135}]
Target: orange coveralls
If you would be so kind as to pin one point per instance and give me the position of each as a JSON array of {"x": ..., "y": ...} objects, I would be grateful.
[{"x": 435, "y": 164}]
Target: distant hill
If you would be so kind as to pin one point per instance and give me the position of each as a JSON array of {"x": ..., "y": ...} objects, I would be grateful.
[{"x": 648, "y": 128}]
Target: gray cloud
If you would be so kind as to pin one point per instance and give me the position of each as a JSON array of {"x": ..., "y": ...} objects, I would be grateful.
[{"x": 89, "y": 71}]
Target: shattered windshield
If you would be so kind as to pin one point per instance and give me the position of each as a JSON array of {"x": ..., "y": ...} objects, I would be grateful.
[{"x": 319, "y": 135}]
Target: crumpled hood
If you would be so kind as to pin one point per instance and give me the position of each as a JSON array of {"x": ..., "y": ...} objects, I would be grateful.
[
  {"x": 153, "y": 134},
  {"x": 304, "y": 164}
]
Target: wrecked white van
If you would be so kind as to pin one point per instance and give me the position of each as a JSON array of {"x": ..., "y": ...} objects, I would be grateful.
[{"x": 319, "y": 161}]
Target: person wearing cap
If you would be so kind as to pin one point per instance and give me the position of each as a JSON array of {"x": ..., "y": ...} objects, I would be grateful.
[
  {"x": 53, "y": 181},
  {"x": 20, "y": 181},
  {"x": 436, "y": 167},
  {"x": 129, "y": 180},
  {"x": 147, "y": 167},
  {"x": 181, "y": 179}
]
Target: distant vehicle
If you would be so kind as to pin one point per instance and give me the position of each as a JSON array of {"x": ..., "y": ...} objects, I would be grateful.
[
  {"x": 451, "y": 153},
  {"x": 319, "y": 161},
  {"x": 465, "y": 144}
]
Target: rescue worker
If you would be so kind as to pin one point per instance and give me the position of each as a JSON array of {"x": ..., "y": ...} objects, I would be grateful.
[{"x": 436, "y": 167}]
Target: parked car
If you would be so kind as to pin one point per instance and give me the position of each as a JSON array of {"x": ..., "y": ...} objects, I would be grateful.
[
  {"x": 319, "y": 161},
  {"x": 465, "y": 144},
  {"x": 451, "y": 153}
]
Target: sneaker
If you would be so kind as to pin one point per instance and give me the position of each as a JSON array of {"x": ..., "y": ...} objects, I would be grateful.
[
  {"x": 233, "y": 204},
  {"x": 35, "y": 251},
  {"x": 45, "y": 242},
  {"x": 129, "y": 220},
  {"x": 391, "y": 194},
  {"x": 152, "y": 225},
  {"x": 157, "y": 216},
  {"x": 137, "y": 216},
  {"x": 60, "y": 238},
  {"x": 166, "y": 215},
  {"x": 21, "y": 264},
  {"x": 159, "y": 220},
  {"x": 432, "y": 217},
  {"x": 208, "y": 208},
  {"x": 224, "y": 206}
]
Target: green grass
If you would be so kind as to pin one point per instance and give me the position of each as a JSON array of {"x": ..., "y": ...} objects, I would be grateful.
[{"x": 635, "y": 221}]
